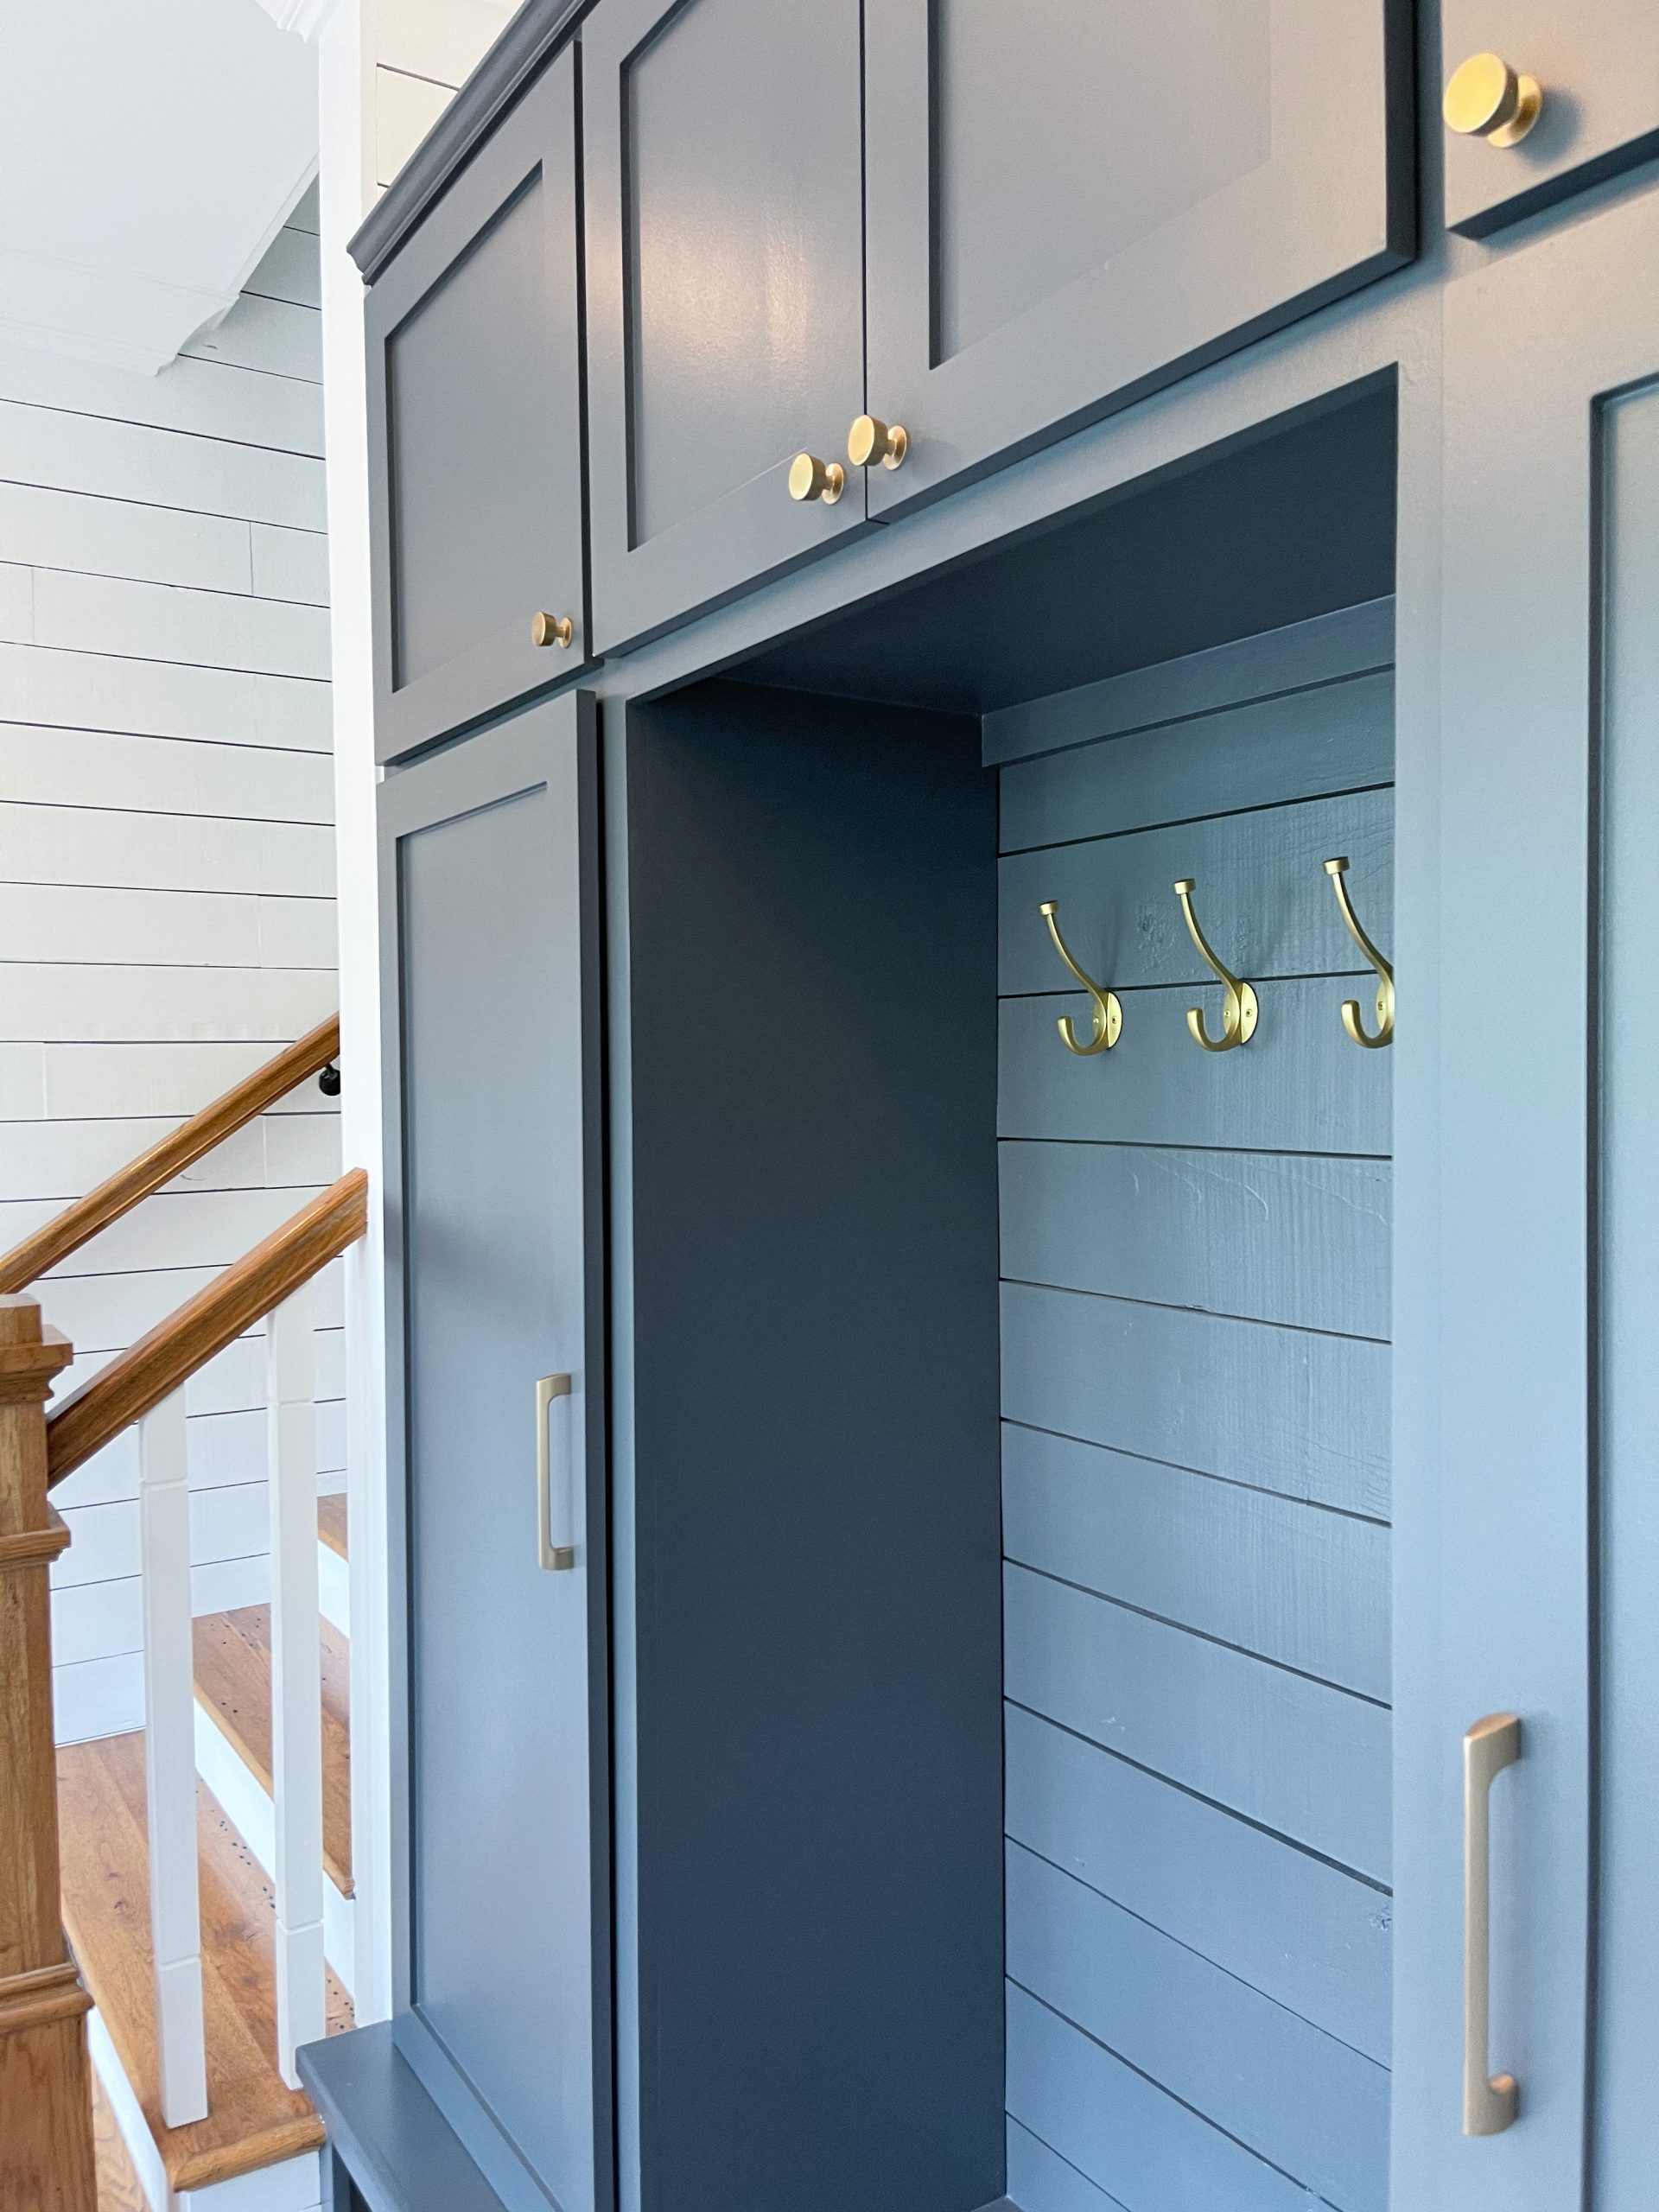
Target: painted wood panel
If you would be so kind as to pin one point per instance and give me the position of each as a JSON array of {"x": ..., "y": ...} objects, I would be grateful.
[
  {"x": 1296, "y": 2096},
  {"x": 1305, "y": 1933},
  {"x": 1281, "y": 1409},
  {"x": 1298, "y": 1086},
  {"x": 88, "y": 690},
  {"x": 1262, "y": 896},
  {"x": 1039, "y": 2180},
  {"x": 60, "y": 767},
  {"x": 1294, "y": 1583},
  {"x": 1336, "y": 737},
  {"x": 1128, "y": 2136},
  {"x": 168, "y": 874},
  {"x": 1308, "y": 1762},
  {"x": 1267, "y": 1237}
]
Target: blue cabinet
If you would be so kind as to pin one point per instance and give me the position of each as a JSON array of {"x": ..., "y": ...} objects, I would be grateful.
[
  {"x": 1068, "y": 206},
  {"x": 474, "y": 386},
  {"x": 496, "y": 1354},
  {"x": 725, "y": 293}
]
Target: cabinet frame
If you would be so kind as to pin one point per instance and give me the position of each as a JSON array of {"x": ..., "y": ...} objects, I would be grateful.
[{"x": 539, "y": 138}]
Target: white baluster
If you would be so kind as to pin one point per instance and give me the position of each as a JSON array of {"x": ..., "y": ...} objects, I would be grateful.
[
  {"x": 170, "y": 1761},
  {"x": 295, "y": 1679}
]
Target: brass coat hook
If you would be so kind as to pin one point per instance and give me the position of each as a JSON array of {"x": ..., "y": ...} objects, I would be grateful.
[
  {"x": 1239, "y": 1009},
  {"x": 1336, "y": 870},
  {"x": 1106, "y": 1012}
]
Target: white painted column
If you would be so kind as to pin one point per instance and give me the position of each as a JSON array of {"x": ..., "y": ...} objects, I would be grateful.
[
  {"x": 170, "y": 1761},
  {"x": 295, "y": 1678}
]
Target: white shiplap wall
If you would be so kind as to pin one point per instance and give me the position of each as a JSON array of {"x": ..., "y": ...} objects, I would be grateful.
[
  {"x": 419, "y": 52},
  {"x": 167, "y": 885}
]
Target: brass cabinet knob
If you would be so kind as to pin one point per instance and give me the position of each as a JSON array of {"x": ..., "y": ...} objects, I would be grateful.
[
  {"x": 870, "y": 440},
  {"x": 1487, "y": 100},
  {"x": 552, "y": 630},
  {"x": 812, "y": 479}
]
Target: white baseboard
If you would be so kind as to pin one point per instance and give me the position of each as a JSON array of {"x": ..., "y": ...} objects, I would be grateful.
[
  {"x": 129, "y": 2118},
  {"x": 248, "y": 1807}
]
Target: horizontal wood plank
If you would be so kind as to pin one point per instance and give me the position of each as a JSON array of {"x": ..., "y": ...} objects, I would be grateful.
[
  {"x": 1336, "y": 738},
  {"x": 1262, "y": 897},
  {"x": 157, "y": 775},
  {"x": 1298, "y": 1086},
  {"x": 164, "y": 852},
  {"x": 60, "y": 1160},
  {"x": 1129, "y": 2137},
  {"x": 45, "y": 528},
  {"x": 204, "y": 398},
  {"x": 1281, "y": 1410},
  {"x": 168, "y": 1076},
  {"x": 69, "y": 1004},
  {"x": 1308, "y": 1762},
  {"x": 171, "y": 929},
  {"x": 1324, "y": 649},
  {"x": 1291, "y": 1582},
  {"x": 129, "y": 460},
  {"x": 1039, "y": 2180},
  {"x": 103, "y": 1314},
  {"x": 100, "y": 692},
  {"x": 166, "y": 622},
  {"x": 1312, "y": 2106},
  {"x": 1269, "y": 1237},
  {"x": 1312, "y": 1937}
]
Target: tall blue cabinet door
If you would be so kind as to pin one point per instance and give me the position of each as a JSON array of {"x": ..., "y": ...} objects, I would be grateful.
[
  {"x": 1595, "y": 63},
  {"x": 1500, "y": 1485},
  {"x": 497, "y": 1383},
  {"x": 474, "y": 399},
  {"x": 1070, "y": 205},
  {"x": 725, "y": 294}
]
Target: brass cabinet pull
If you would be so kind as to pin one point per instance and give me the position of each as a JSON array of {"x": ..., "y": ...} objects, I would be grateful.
[
  {"x": 552, "y": 630},
  {"x": 1489, "y": 2100},
  {"x": 812, "y": 479},
  {"x": 1108, "y": 1015},
  {"x": 549, "y": 1555},
  {"x": 1239, "y": 1009},
  {"x": 871, "y": 440},
  {"x": 1485, "y": 99},
  {"x": 1336, "y": 869}
]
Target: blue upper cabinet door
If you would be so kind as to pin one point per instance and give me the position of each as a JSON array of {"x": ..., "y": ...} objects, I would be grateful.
[
  {"x": 1072, "y": 201},
  {"x": 725, "y": 294},
  {"x": 474, "y": 389},
  {"x": 1554, "y": 95}
]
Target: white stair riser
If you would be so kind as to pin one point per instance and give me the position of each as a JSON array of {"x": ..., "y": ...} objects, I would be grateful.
[{"x": 247, "y": 1805}]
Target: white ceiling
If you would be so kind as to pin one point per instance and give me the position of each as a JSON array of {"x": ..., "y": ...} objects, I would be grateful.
[{"x": 149, "y": 150}]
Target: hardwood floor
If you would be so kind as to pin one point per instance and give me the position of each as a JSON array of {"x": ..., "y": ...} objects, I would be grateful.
[
  {"x": 253, "y": 2120},
  {"x": 234, "y": 1687}
]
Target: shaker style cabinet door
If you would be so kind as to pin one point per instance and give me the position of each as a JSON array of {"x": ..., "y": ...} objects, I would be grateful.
[
  {"x": 1069, "y": 204},
  {"x": 1542, "y": 98},
  {"x": 475, "y": 375},
  {"x": 496, "y": 1367},
  {"x": 725, "y": 294},
  {"x": 1525, "y": 1546}
]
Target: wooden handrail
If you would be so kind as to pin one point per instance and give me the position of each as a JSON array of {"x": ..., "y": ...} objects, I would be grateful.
[
  {"x": 170, "y": 1353},
  {"x": 180, "y": 1148}
]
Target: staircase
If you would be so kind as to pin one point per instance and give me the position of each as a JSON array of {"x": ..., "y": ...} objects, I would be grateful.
[{"x": 206, "y": 1860}]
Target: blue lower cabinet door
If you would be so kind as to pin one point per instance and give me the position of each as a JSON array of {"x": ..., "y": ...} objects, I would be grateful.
[
  {"x": 490, "y": 919},
  {"x": 1497, "y": 1389},
  {"x": 1068, "y": 205}
]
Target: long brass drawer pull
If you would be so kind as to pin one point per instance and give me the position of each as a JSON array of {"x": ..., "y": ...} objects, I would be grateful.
[
  {"x": 1489, "y": 2099},
  {"x": 548, "y": 1388}
]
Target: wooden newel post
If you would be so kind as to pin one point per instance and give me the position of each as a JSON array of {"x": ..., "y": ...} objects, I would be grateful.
[{"x": 45, "y": 2111}]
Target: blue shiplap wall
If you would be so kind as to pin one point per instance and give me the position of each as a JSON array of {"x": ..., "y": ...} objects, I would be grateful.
[{"x": 1195, "y": 1394}]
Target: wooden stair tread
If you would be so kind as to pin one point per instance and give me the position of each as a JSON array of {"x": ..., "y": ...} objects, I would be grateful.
[
  {"x": 233, "y": 1660},
  {"x": 331, "y": 1522},
  {"x": 253, "y": 2120}
]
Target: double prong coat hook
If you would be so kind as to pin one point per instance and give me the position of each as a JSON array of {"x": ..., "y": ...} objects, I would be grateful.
[
  {"x": 1336, "y": 869},
  {"x": 1239, "y": 1009},
  {"x": 1106, "y": 1012}
]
